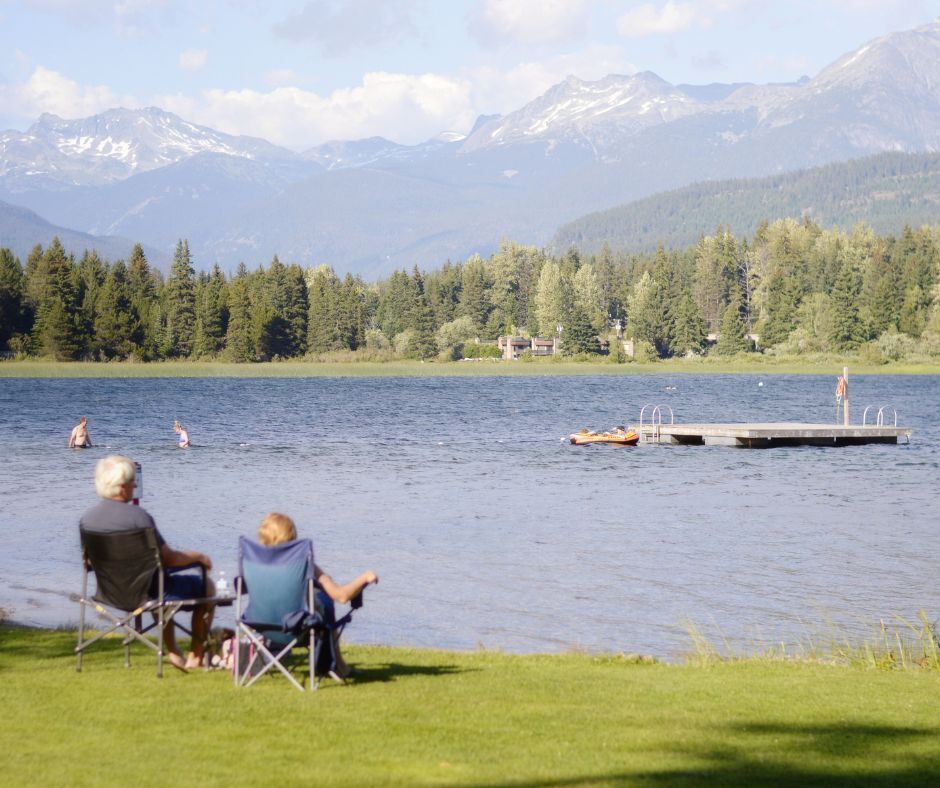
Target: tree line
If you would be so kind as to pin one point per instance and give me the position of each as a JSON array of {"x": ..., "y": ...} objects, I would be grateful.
[{"x": 794, "y": 285}]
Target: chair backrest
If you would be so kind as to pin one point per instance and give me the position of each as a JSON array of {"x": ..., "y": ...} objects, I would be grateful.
[
  {"x": 124, "y": 563},
  {"x": 276, "y": 579}
]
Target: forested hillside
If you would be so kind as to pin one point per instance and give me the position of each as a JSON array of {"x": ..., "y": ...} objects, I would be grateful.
[
  {"x": 886, "y": 191},
  {"x": 802, "y": 288}
]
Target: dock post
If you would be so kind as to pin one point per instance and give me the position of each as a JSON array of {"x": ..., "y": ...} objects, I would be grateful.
[{"x": 845, "y": 399}]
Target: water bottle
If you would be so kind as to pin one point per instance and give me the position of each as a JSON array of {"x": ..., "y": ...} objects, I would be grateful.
[{"x": 221, "y": 586}]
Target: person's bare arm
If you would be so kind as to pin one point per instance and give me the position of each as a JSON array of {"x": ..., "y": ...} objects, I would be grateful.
[
  {"x": 344, "y": 593},
  {"x": 72, "y": 437},
  {"x": 171, "y": 557}
]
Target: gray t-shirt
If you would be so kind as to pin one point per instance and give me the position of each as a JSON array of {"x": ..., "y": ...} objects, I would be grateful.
[{"x": 109, "y": 516}]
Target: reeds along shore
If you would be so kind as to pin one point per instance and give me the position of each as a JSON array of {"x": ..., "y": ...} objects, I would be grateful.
[{"x": 211, "y": 369}]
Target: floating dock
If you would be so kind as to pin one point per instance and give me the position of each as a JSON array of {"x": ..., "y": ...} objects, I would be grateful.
[{"x": 769, "y": 435}]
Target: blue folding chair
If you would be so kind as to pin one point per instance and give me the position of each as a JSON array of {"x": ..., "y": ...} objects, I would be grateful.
[{"x": 281, "y": 610}]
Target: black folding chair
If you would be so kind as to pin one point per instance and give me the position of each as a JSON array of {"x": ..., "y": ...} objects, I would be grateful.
[{"x": 125, "y": 564}]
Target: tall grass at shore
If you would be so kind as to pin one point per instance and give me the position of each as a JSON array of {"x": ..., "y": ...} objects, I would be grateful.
[
  {"x": 483, "y": 367},
  {"x": 900, "y": 644}
]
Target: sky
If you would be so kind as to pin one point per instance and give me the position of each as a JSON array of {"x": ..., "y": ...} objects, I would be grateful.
[{"x": 302, "y": 72}]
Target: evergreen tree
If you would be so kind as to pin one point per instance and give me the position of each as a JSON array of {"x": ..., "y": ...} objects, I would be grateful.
[
  {"x": 781, "y": 305},
  {"x": 143, "y": 287},
  {"x": 647, "y": 314},
  {"x": 51, "y": 287},
  {"x": 211, "y": 314},
  {"x": 688, "y": 328},
  {"x": 395, "y": 304},
  {"x": 87, "y": 280},
  {"x": 731, "y": 338},
  {"x": 423, "y": 341},
  {"x": 323, "y": 325},
  {"x": 913, "y": 318},
  {"x": 579, "y": 335},
  {"x": 847, "y": 330},
  {"x": 474, "y": 301},
  {"x": 12, "y": 285},
  {"x": 117, "y": 328},
  {"x": 296, "y": 309},
  {"x": 180, "y": 304},
  {"x": 238, "y": 341}
]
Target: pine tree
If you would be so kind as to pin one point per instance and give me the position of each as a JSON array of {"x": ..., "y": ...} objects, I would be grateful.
[
  {"x": 847, "y": 330},
  {"x": 12, "y": 285},
  {"x": 688, "y": 328},
  {"x": 211, "y": 314},
  {"x": 423, "y": 342},
  {"x": 781, "y": 305},
  {"x": 180, "y": 304},
  {"x": 238, "y": 343},
  {"x": 474, "y": 301},
  {"x": 143, "y": 289},
  {"x": 395, "y": 303},
  {"x": 579, "y": 335},
  {"x": 117, "y": 328},
  {"x": 296, "y": 309},
  {"x": 731, "y": 337},
  {"x": 51, "y": 286}
]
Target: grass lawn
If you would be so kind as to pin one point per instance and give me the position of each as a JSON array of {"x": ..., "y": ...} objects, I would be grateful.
[
  {"x": 482, "y": 718},
  {"x": 753, "y": 365}
]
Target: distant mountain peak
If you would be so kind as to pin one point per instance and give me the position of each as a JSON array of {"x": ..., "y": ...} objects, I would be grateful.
[
  {"x": 591, "y": 113},
  {"x": 114, "y": 145}
]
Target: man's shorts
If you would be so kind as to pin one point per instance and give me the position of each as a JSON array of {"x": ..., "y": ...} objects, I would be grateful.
[{"x": 182, "y": 584}]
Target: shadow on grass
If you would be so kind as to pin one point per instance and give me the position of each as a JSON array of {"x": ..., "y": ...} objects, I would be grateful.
[
  {"x": 20, "y": 641},
  {"x": 391, "y": 671},
  {"x": 777, "y": 754}
]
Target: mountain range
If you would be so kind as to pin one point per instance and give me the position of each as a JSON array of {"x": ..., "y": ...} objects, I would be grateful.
[{"x": 370, "y": 206}]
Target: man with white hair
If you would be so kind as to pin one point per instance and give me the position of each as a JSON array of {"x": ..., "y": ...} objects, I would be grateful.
[{"x": 115, "y": 479}]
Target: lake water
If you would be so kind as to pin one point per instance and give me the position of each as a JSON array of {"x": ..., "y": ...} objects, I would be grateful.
[{"x": 484, "y": 527}]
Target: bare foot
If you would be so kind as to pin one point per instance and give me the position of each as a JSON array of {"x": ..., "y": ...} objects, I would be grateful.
[
  {"x": 193, "y": 662},
  {"x": 177, "y": 661}
]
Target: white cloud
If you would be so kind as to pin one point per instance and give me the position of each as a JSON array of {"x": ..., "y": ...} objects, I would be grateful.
[
  {"x": 646, "y": 20},
  {"x": 193, "y": 60},
  {"x": 48, "y": 91},
  {"x": 529, "y": 21},
  {"x": 404, "y": 107}
]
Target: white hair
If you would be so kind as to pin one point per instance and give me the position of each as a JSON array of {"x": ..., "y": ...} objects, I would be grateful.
[{"x": 112, "y": 473}]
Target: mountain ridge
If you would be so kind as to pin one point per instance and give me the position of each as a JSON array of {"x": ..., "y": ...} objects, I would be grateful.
[{"x": 581, "y": 146}]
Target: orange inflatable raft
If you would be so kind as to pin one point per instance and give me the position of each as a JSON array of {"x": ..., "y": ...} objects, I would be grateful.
[{"x": 584, "y": 437}]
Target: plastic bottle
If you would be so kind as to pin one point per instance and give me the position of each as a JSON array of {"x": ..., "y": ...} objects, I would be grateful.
[{"x": 221, "y": 586}]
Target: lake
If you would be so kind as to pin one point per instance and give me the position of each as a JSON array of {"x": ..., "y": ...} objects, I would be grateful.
[{"x": 485, "y": 528}]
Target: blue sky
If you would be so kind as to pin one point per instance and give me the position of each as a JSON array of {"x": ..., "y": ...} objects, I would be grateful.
[{"x": 301, "y": 72}]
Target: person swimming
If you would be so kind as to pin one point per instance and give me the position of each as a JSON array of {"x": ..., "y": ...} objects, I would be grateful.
[
  {"x": 180, "y": 430},
  {"x": 80, "y": 439}
]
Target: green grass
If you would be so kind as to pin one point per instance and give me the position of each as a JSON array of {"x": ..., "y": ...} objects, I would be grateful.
[
  {"x": 753, "y": 365},
  {"x": 481, "y": 718}
]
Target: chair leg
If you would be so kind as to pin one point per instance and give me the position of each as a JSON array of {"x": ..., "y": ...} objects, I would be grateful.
[{"x": 80, "y": 649}]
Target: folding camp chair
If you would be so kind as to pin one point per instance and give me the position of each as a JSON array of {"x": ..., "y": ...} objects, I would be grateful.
[
  {"x": 125, "y": 564},
  {"x": 281, "y": 611}
]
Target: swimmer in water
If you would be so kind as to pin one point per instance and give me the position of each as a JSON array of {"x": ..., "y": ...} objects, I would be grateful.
[
  {"x": 80, "y": 439},
  {"x": 184, "y": 436}
]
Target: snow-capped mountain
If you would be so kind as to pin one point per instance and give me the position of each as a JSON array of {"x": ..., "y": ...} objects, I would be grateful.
[
  {"x": 373, "y": 205},
  {"x": 595, "y": 113},
  {"x": 115, "y": 145}
]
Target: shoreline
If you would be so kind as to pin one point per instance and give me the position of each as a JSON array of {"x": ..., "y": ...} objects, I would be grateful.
[{"x": 352, "y": 369}]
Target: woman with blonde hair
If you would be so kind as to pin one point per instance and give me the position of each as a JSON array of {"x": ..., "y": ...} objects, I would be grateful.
[{"x": 278, "y": 528}]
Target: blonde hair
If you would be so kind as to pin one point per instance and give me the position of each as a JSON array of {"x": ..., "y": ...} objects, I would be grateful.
[
  {"x": 276, "y": 528},
  {"x": 112, "y": 473}
]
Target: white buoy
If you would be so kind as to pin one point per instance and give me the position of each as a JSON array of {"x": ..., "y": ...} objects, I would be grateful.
[{"x": 760, "y": 384}]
